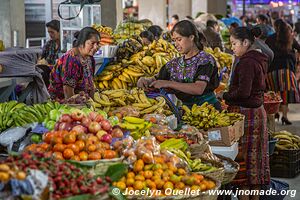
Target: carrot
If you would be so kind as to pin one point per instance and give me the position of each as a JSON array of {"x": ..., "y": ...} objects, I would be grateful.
[{"x": 107, "y": 40}]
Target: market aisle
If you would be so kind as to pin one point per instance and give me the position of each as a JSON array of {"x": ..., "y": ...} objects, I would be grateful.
[{"x": 294, "y": 116}]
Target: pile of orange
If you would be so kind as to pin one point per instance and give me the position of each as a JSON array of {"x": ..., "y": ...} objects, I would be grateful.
[
  {"x": 70, "y": 145},
  {"x": 162, "y": 175}
]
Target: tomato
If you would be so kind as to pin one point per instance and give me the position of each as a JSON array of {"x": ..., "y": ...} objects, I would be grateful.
[
  {"x": 94, "y": 156},
  {"x": 58, "y": 155},
  {"x": 83, "y": 155},
  {"x": 75, "y": 157},
  {"x": 69, "y": 138},
  {"x": 82, "y": 136},
  {"x": 91, "y": 148},
  {"x": 74, "y": 148},
  {"x": 48, "y": 137},
  {"x": 80, "y": 144},
  {"x": 45, "y": 146},
  {"x": 109, "y": 154},
  {"x": 68, "y": 153},
  {"x": 59, "y": 147},
  {"x": 56, "y": 140}
]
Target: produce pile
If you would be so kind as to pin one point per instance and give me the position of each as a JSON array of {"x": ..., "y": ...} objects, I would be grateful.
[
  {"x": 110, "y": 100},
  {"x": 287, "y": 140},
  {"x": 272, "y": 97},
  {"x": 80, "y": 137},
  {"x": 106, "y": 34},
  {"x": 145, "y": 63},
  {"x": 138, "y": 127},
  {"x": 65, "y": 180},
  {"x": 9, "y": 171},
  {"x": 206, "y": 117},
  {"x": 127, "y": 29},
  {"x": 223, "y": 59},
  {"x": 14, "y": 114}
]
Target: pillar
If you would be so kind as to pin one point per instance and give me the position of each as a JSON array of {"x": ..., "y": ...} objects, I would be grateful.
[
  {"x": 209, "y": 6},
  {"x": 11, "y": 12},
  {"x": 111, "y": 12},
  {"x": 181, "y": 8},
  {"x": 154, "y": 10}
]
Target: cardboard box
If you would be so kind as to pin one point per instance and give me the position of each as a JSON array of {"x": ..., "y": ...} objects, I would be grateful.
[{"x": 225, "y": 136}]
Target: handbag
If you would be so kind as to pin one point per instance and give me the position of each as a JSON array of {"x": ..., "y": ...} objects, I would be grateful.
[{"x": 81, "y": 2}]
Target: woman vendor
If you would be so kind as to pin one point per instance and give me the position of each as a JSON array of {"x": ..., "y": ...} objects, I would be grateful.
[
  {"x": 245, "y": 95},
  {"x": 74, "y": 71},
  {"x": 193, "y": 76}
]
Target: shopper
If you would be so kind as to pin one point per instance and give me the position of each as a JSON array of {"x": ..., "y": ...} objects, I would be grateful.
[
  {"x": 191, "y": 77},
  {"x": 156, "y": 31},
  {"x": 233, "y": 26},
  {"x": 52, "y": 47},
  {"x": 281, "y": 74},
  {"x": 174, "y": 20},
  {"x": 264, "y": 19},
  {"x": 245, "y": 95},
  {"x": 147, "y": 37},
  {"x": 75, "y": 69},
  {"x": 212, "y": 35}
]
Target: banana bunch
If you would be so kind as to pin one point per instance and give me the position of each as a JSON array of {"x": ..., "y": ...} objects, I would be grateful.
[
  {"x": 174, "y": 144},
  {"x": 109, "y": 100},
  {"x": 287, "y": 140},
  {"x": 128, "y": 29},
  {"x": 222, "y": 59},
  {"x": 138, "y": 127},
  {"x": 14, "y": 114},
  {"x": 103, "y": 29},
  {"x": 206, "y": 117},
  {"x": 146, "y": 63},
  {"x": 195, "y": 165}
]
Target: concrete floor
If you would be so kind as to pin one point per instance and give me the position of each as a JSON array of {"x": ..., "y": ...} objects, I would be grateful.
[{"x": 294, "y": 116}]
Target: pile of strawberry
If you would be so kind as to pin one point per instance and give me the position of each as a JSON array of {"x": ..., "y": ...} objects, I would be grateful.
[{"x": 65, "y": 179}]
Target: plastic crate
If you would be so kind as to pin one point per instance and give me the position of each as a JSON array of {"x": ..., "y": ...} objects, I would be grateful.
[
  {"x": 284, "y": 170},
  {"x": 108, "y": 51},
  {"x": 286, "y": 155}
]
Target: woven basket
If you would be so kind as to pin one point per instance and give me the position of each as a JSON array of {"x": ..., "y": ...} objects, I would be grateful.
[
  {"x": 229, "y": 175},
  {"x": 272, "y": 107},
  {"x": 202, "y": 196},
  {"x": 98, "y": 167},
  {"x": 218, "y": 174}
]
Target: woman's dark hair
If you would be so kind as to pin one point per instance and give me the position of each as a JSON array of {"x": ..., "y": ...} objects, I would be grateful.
[
  {"x": 263, "y": 18},
  {"x": 211, "y": 23},
  {"x": 260, "y": 31},
  {"x": 186, "y": 29},
  {"x": 243, "y": 33},
  {"x": 54, "y": 24},
  {"x": 83, "y": 35},
  {"x": 175, "y": 17},
  {"x": 284, "y": 37},
  {"x": 234, "y": 25},
  {"x": 156, "y": 31},
  {"x": 148, "y": 35}
]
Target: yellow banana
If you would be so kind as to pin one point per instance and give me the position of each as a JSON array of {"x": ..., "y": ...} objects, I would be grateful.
[
  {"x": 114, "y": 85},
  {"x": 101, "y": 85},
  {"x": 106, "y": 77},
  {"x": 113, "y": 67},
  {"x": 141, "y": 105},
  {"x": 124, "y": 84},
  {"x": 123, "y": 78},
  {"x": 133, "y": 73},
  {"x": 105, "y": 83},
  {"x": 118, "y": 82}
]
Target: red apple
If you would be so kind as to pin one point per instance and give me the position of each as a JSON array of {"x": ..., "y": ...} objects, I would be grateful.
[
  {"x": 77, "y": 115},
  {"x": 93, "y": 115},
  {"x": 65, "y": 126},
  {"x": 86, "y": 121},
  {"x": 94, "y": 127},
  {"x": 99, "y": 118},
  {"x": 101, "y": 133},
  {"x": 65, "y": 118},
  {"x": 79, "y": 129},
  {"x": 105, "y": 124},
  {"x": 56, "y": 127},
  {"x": 106, "y": 138},
  {"x": 117, "y": 133}
]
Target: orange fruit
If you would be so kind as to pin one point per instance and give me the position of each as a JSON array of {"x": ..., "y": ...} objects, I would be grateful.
[
  {"x": 168, "y": 185},
  {"x": 80, "y": 144},
  {"x": 74, "y": 148},
  {"x": 68, "y": 153},
  {"x": 148, "y": 174},
  {"x": 202, "y": 187},
  {"x": 48, "y": 137},
  {"x": 130, "y": 181},
  {"x": 91, "y": 148},
  {"x": 74, "y": 133},
  {"x": 130, "y": 175},
  {"x": 138, "y": 185},
  {"x": 58, "y": 155},
  {"x": 75, "y": 157},
  {"x": 121, "y": 185},
  {"x": 83, "y": 155},
  {"x": 69, "y": 138},
  {"x": 94, "y": 156},
  {"x": 82, "y": 136},
  {"x": 59, "y": 147},
  {"x": 210, "y": 185},
  {"x": 109, "y": 154},
  {"x": 45, "y": 146},
  {"x": 56, "y": 140}
]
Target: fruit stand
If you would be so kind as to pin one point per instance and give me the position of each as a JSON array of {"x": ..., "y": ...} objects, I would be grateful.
[{"x": 123, "y": 137}]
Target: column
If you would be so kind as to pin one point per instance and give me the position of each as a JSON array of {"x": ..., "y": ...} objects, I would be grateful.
[
  {"x": 154, "y": 10},
  {"x": 181, "y": 8},
  {"x": 5, "y": 29},
  {"x": 111, "y": 12},
  {"x": 209, "y": 6}
]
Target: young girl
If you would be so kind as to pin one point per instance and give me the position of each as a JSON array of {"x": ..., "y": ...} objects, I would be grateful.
[{"x": 246, "y": 94}]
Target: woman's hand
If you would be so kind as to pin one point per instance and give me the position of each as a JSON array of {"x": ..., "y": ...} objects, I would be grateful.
[
  {"x": 145, "y": 82},
  {"x": 219, "y": 95},
  {"x": 160, "y": 84}
]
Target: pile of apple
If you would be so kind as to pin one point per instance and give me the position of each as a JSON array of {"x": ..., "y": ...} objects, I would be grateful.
[{"x": 80, "y": 137}]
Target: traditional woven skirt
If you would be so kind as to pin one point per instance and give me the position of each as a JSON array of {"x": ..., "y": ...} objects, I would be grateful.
[
  {"x": 253, "y": 149},
  {"x": 284, "y": 81}
]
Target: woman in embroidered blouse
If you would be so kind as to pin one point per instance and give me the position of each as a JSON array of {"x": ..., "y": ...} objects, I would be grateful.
[
  {"x": 194, "y": 76},
  {"x": 52, "y": 47},
  {"x": 74, "y": 71}
]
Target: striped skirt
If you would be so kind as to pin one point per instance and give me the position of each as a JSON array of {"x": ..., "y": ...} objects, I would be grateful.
[
  {"x": 284, "y": 81},
  {"x": 253, "y": 149}
]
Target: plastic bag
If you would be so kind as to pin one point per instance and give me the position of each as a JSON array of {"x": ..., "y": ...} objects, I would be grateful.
[
  {"x": 172, "y": 121},
  {"x": 126, "y": 111},
  {"x": 159, "y": 119}
]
